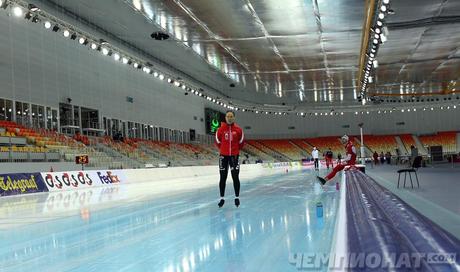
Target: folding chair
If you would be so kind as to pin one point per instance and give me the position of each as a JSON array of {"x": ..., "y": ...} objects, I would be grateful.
[{"x": 415, "y": 166}]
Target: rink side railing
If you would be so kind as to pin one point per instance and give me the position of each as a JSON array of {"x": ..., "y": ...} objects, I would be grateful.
[
  {"x": 376, "y": 230},
  {"x": 167, "y": 179}
]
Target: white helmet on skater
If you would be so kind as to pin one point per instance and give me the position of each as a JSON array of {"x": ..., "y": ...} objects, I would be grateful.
[{"x": 344, "y": 139}]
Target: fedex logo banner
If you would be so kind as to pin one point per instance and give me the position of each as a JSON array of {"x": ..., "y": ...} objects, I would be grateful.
[{"x": 110, "y": 177}]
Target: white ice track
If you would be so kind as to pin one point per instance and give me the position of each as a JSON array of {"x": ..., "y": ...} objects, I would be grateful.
[{"x": 142, "y": 227}]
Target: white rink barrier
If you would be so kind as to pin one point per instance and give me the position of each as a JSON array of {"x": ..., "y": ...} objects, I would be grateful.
[
  {"x": 174, "y": 173},
  {"x": 165, "y": 179},
  {"x": 194, "y": 177},
  {"x": 74, "y": 191}
]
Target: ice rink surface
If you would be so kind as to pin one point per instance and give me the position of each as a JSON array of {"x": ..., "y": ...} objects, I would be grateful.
[{"x": 133, "y": 228}]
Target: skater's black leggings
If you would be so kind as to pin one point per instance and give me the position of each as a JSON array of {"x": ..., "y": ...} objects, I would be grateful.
[
  {"x": 224, "y": 162},
  {"x": 316, "y": 164}
]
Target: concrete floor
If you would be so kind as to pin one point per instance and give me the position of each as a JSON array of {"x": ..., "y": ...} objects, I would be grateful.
[{"x": 438, "y": 197}]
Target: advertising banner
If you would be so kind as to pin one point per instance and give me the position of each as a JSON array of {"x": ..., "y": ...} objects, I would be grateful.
[
  {"x": 21, "y": 183},
  {"x": 282, "y": 164},
  {"x": 70, "y": 180}
]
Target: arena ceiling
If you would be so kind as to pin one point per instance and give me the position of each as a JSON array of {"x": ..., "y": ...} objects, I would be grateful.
[{"x": 300, "y": 53}]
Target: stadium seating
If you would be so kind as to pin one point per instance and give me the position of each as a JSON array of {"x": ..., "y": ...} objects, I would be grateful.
[
  {"x": 407, "y": 140},
  {"x": 323, "y": 143},
  {"x": 284, "y": 147},
  {"x": 257, "y": 153},
  {"x": 270, "y": 154},
  {"x": 128, "y": 148},
  {"x": 379, "y": 143},
  {"x": 19, "y": 143},
  {"x": 303, "y": 145},
  {"x": 448, "y": 141}
]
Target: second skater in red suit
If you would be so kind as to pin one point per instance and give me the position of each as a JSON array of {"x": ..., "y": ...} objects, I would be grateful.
[{"x": 349, "y": 160}]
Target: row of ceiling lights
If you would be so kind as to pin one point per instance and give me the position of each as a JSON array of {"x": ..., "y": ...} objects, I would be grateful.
[
  {"x": 379, "y": 111},
  {"x": 408, "y": 110},
  {"x": 34, "y": 14},
  {"x": 332, "y": 112},
  {"x": 380, "y": 33}
]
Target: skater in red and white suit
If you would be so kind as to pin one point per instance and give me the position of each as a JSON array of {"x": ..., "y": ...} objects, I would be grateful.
[
  {"x": 229, "y": 140},
  {"x": 348, "y": 161}
]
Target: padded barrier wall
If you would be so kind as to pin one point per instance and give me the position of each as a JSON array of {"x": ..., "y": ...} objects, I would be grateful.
[{"x": 380, "y": 223}]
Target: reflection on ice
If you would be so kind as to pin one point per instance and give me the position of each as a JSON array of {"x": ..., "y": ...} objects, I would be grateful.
[{"x": 129, "y": 227}]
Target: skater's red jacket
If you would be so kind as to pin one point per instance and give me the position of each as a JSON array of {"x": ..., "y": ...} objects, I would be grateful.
[{"x": 229, "y": 139}]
